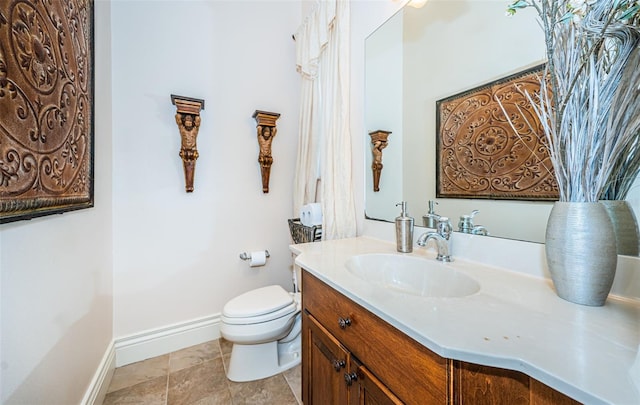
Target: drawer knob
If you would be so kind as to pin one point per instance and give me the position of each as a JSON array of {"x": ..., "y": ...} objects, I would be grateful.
[
  {"x": 344, "y": 322},
  {"x": 349, "y": 378},
  {"x": 338, "y": 364}
]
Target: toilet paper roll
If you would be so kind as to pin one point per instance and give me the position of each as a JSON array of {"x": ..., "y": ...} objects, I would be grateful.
[
  {"x": 305, "y": 215},
  {"x": 258, "y": 258},
  {"x": 315, "y": 214},
  {"x": 302, "y": 216}
]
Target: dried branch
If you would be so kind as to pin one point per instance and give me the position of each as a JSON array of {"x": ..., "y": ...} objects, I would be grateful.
[{"x": 590, "y": 108}]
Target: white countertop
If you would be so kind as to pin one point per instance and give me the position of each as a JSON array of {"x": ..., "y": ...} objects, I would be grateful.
[{"x": 515, "y": 321}]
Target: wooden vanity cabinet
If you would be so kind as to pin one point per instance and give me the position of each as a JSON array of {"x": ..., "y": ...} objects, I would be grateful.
[
  {"x": 338, "y": 378},
  {"x": 326, "y": 363},
  {"x": 350, "y": 356},
  {"x": 410, "y": 373}
]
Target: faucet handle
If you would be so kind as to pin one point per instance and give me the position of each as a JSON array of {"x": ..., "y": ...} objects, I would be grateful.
[
  {"x": 470, "y": 216},
  {"x": 444, "y": 227},
  {"x": 431, "y": 204},
  {"x": 466, "y": 222}
]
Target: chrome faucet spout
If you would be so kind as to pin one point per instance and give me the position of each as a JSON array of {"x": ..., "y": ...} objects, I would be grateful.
[{"x": 442, "y": 238}]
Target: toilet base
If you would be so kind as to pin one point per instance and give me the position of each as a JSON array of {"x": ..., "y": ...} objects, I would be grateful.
[{"x": 254, "y": 362}]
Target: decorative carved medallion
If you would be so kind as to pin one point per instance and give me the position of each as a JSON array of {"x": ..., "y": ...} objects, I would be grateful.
[
  {"x": 46, "y": 107},
  {"x": 479, "y": 153}
]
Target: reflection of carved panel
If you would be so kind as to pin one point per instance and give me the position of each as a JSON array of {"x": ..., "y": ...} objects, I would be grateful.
[
  {"x": 479, "y": 153},
  {"x": 46, "y": 107}
]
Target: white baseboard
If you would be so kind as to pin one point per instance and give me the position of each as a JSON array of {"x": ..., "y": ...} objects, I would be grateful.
[
  {"x": 156, "y": 342},
  {"x": 102, "y": 378}
]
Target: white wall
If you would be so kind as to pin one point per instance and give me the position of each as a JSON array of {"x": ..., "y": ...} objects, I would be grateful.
[
  {"x": 176, "y": 253},
  {"x": 56, "y": 288}
]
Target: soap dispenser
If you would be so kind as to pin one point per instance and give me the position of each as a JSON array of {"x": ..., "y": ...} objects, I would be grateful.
[
  {"x": 431, "y": 219},
  {"x": 404, "y": 230}
]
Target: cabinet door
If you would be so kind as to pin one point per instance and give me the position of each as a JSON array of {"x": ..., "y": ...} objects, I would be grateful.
[
  {"x": 483, "y": 385},
  {"x": 324, "y": 364},
  {"x": 368, "y": 390}
]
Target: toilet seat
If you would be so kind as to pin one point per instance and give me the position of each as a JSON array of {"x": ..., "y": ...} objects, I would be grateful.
[{"x": 258, "y": 306}]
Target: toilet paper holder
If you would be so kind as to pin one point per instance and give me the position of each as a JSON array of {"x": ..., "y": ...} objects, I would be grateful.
[{"x": 246, "y": 256}]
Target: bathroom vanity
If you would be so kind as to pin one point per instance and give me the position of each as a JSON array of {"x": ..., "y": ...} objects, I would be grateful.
[{"x": 511, "y": 341}]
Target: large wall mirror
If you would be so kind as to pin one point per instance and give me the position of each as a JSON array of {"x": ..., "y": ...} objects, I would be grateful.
[{"x": 420, "y": 56}]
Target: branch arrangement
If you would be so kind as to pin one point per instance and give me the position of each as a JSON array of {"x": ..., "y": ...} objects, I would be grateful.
[{"x": 590, "y": 108}]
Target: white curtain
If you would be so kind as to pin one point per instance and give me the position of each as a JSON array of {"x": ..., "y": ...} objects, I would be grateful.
[{"x": 324, "y": 149}]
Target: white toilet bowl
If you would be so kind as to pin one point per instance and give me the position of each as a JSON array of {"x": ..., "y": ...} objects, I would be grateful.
[{"x": 264, "y": 326}]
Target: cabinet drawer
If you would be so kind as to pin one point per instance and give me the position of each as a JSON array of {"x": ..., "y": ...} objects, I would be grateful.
[{"x": 415, "y": 374}]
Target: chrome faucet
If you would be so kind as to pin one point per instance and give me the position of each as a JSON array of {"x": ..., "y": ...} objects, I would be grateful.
[
  {"x": 442, "y": 236},
  {"x": 465, "y": 225}
]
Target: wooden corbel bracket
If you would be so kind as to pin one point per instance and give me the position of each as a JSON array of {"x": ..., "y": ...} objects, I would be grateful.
[
  {"x": 378, "y": 142},
  {"x": 266, "y": 132},
  {"x": 188, "y": 120}
]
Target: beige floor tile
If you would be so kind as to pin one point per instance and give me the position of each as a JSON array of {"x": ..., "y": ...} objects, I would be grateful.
[
  {"x": 202, "y": 384},
  {"x": 269, "y": 391},
  {"x": 226, "y": 358},
  {"x": 133, "y": 374},
  {"x": 194, "y": 355},
  {"x": 294, "y": 379},
  {"x": 196, "y": 376},
  {"x": 152, "y": 392},
  {"x": 225, "y": 346}
]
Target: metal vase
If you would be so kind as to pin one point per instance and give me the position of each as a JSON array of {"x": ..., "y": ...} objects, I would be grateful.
[
  {"x": 581, "y": 252},
  {"x": 625, "y": 226}
]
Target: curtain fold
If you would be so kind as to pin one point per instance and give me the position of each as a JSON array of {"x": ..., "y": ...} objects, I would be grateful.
[{"x": 324, "y": 148}]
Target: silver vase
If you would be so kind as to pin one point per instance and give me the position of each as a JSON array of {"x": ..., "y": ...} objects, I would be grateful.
[
  {"x": 581, "y": 252},
  {"x": 625, "y": 226}
]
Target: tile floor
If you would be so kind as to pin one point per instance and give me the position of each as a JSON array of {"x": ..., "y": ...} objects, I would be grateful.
[{"x": 196, "y": 376}]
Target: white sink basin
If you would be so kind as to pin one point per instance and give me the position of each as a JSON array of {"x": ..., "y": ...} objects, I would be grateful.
[{"x": 412, "y": 275}]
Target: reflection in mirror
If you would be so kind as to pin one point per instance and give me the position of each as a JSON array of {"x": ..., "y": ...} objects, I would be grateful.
[{"x": 423, "y": 55}]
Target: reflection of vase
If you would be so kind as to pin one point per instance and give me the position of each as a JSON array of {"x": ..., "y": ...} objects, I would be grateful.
[
  {"x": 581, "y": 252},
  {"x": 625, "y": 226}
]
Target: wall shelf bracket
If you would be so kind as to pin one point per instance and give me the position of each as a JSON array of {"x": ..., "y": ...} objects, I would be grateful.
[
  {"x": 188, "y": 120},
  {"x": 378, "y": 142},
  {"x": 266, "y": 132}
]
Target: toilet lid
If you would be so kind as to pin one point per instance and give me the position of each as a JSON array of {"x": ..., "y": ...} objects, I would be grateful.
[{"x": 258, "y": 302}]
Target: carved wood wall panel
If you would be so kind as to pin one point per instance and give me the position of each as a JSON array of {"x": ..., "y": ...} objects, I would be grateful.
[
  {"x": 46, "y": 107},
  {"x": 479, "y": 154}
]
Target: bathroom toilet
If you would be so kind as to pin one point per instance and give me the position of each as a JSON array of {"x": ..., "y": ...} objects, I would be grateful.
[{"x": 264, "y": 326}]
